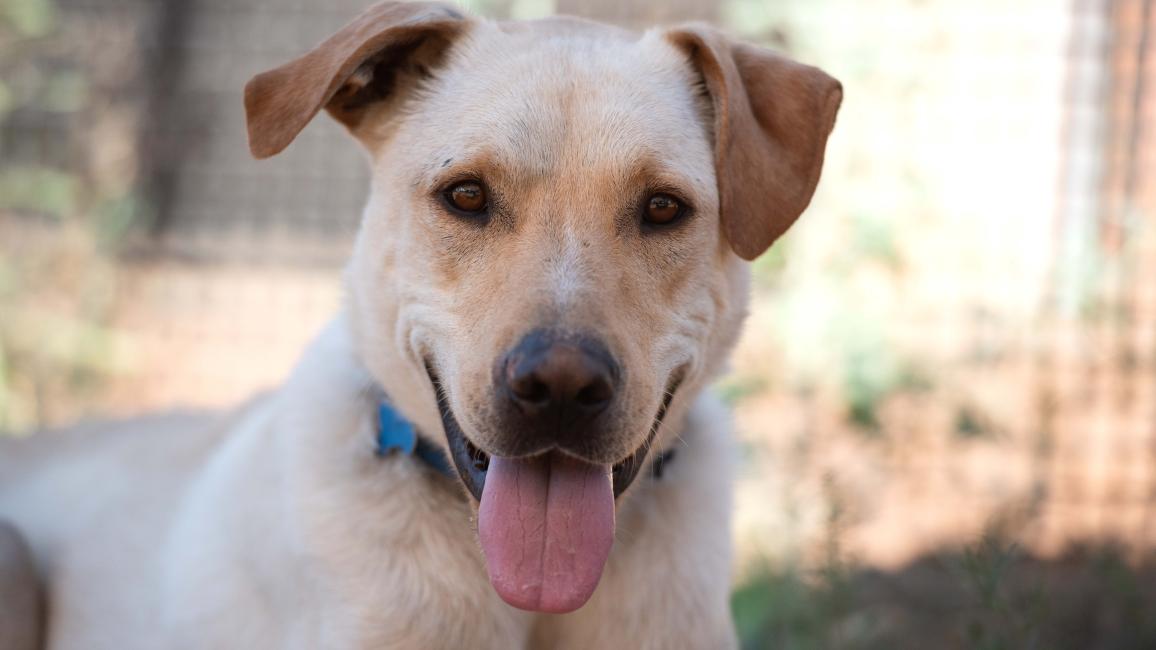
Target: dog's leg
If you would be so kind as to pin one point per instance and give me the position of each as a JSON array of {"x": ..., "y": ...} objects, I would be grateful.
[{"x": 21, "y": 601}]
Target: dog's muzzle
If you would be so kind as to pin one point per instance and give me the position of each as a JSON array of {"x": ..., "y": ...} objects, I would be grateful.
[
  {"x": 553, "y": 390},
  {"x": 545, "y": 513}
]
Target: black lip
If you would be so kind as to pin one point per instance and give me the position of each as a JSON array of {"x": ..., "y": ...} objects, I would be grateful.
[{"x": 472, "y": 463}]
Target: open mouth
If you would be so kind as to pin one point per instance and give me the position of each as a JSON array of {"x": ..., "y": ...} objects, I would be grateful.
[
  {"x": 545, "y": 522},
  {"x": 472, "y": 463}
]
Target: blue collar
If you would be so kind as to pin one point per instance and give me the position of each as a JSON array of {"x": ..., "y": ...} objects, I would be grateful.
[{"x": 397, "y": 434}]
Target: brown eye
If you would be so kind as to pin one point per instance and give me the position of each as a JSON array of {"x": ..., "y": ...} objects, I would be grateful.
[
  {"x": 467, "y": 196},
  {"x": 662, "y": 209}
]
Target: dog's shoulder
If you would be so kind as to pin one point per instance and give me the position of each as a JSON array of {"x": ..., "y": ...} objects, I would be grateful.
[{"x": 138, "y": 438}]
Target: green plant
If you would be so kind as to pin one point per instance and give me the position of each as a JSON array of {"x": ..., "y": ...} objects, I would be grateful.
[
  {"x": 61, "y": 220},
  {"x": 1002, "y": 614}
]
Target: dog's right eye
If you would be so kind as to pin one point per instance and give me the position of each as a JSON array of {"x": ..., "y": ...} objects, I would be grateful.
[
  {"x": 662, "y": 210},
  {"x": 467, "y": 197}
]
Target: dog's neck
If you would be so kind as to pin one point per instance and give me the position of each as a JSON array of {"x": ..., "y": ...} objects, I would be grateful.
[{"x": 397, "y": 435}]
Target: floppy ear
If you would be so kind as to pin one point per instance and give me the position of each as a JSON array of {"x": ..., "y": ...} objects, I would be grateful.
[
  {"x": 350, "y": 70},
  {"x": 772, "y": 117}
]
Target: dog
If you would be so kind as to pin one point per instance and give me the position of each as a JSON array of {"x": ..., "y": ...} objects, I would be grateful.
[{"x": 503, "y": 439}]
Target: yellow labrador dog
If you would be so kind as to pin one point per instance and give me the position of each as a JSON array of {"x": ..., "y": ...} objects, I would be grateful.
[{"x": 503, "y": 440}]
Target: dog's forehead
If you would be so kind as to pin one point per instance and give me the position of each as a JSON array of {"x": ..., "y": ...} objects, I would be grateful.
[{"x": 557, "y": 92}]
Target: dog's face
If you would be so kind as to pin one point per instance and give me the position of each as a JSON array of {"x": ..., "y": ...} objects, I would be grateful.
[
  {"x": 548, "y": 258},
  {"x": 553, "y": 258}
]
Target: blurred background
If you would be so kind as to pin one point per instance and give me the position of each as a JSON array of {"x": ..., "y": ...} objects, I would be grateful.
[{"x": 946, "y": 393}]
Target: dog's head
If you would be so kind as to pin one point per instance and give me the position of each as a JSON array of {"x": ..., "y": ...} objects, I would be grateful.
[{"x": 551, "y": 260}]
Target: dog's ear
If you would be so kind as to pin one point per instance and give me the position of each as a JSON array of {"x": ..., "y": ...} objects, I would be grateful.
[
  {"x": 772, "y": 117},
  {"x": 349, "y": 71}
]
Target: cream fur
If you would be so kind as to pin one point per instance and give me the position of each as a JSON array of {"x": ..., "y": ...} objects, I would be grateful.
[{"x": 278, "y": 527}]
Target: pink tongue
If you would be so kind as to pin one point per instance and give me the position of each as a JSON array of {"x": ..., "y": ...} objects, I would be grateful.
[{"x": 546, "y": 526}]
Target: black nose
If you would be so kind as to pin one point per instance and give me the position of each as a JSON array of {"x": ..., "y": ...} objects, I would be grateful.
[{"x": 564, "y": 381}]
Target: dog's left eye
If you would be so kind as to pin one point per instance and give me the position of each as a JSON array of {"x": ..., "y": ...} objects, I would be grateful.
[
  {"x": 662, "y": 209},
  {"x": 468, "y": 197}
]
